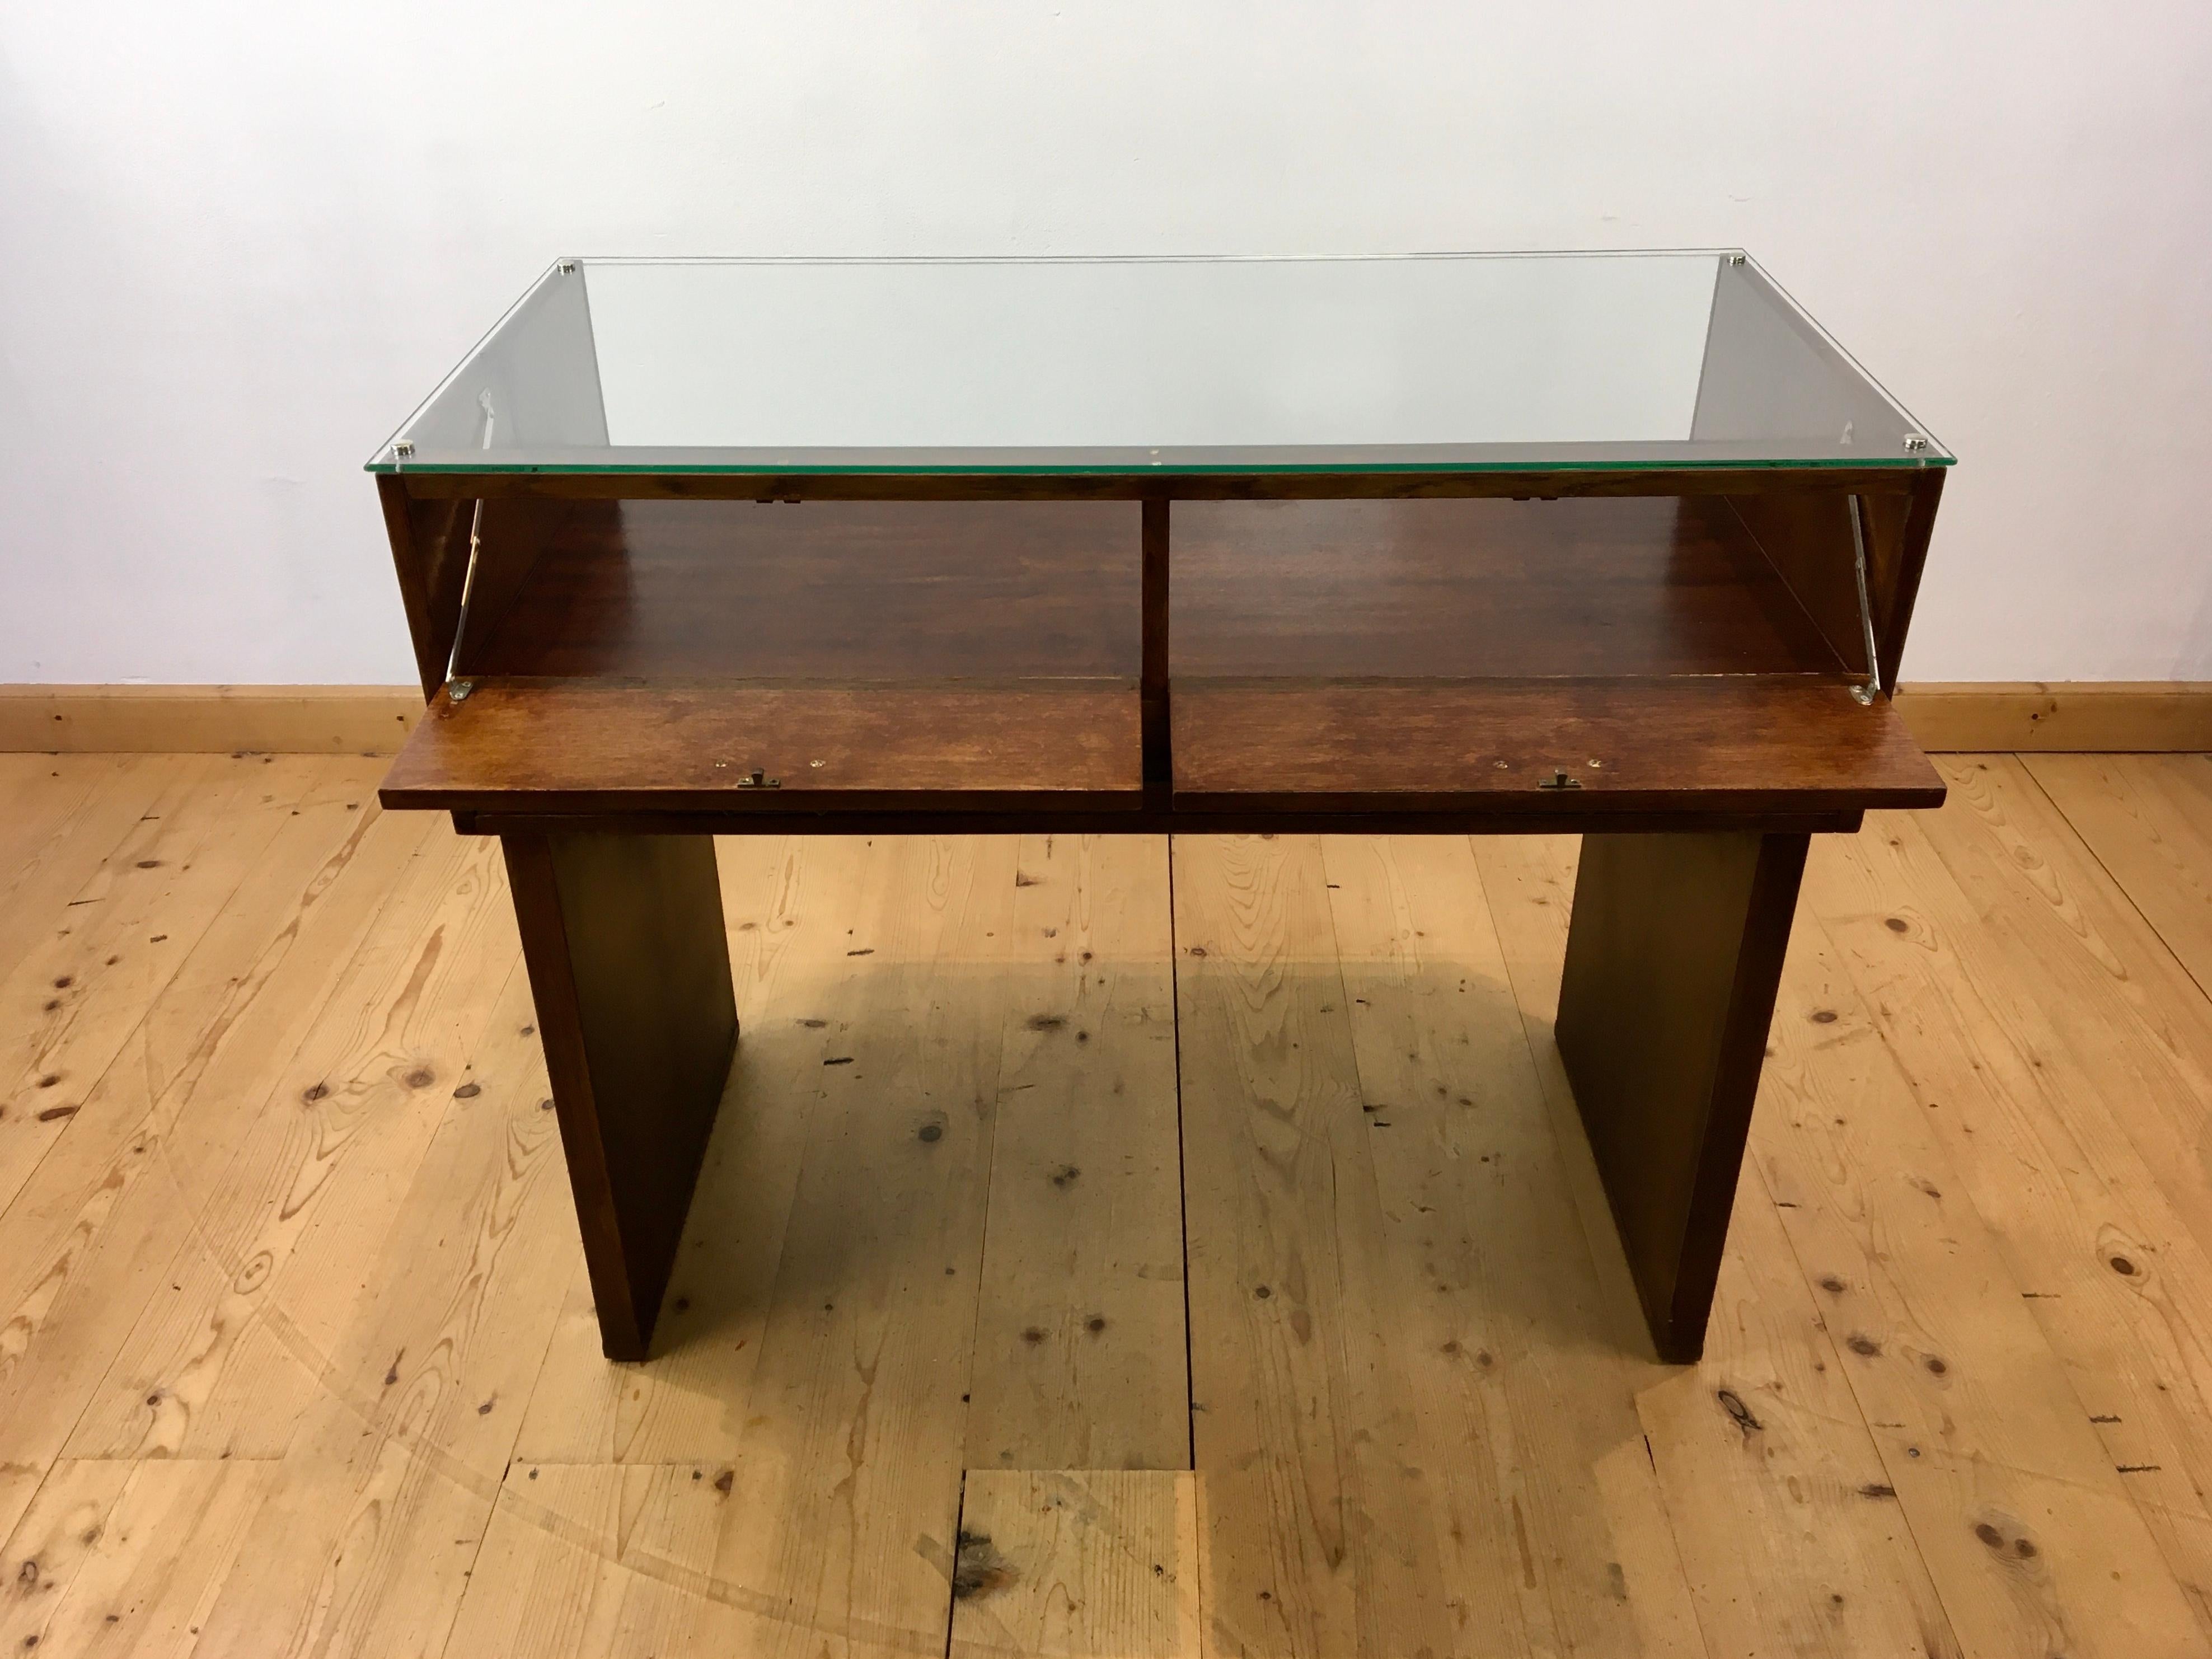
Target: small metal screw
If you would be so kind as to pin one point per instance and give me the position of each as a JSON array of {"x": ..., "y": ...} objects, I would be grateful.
[
  {"x": 403, "y": 448},
  {"x": 1914, "y": 442},
  {"x": 567, "y": 267},
  {"x": 459, "y": 690}
]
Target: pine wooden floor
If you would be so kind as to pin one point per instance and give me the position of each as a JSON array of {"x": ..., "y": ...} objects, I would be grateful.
[{"x": 297, "y": 1357}]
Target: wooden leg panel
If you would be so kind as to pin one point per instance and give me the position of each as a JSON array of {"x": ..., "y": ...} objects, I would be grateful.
[
  {"x": 1674, "y": 954},
  {"x": 630, "y": 970}
]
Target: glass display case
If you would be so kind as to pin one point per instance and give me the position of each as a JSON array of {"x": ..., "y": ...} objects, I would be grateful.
[{"x": 1618, "y": 543}]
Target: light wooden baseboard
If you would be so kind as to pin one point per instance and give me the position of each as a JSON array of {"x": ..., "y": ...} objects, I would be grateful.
[
  {"x": 2064, "y": 715},
  {"x": 208, "y": 720},
  {"x": 372, "y": 720}
]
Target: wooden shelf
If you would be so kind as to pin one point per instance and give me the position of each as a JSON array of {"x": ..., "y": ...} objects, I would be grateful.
[
  {"x": 1713, "y": 745},
  {"x": 587, "y": 746}
]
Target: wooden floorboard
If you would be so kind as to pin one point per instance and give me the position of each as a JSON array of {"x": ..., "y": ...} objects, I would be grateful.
[{"x": 296, "y": 1356}]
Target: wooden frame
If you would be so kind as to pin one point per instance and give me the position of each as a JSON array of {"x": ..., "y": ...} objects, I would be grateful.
[{"x": 1698, "y": 781}]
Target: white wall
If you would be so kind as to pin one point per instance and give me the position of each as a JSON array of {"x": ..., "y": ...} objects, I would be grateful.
[{"x": 238, "y": 242}]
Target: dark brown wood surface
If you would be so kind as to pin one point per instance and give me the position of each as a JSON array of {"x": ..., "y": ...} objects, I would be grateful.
[
  {"x": 1716, "y": 743},
  {"x": 1807, "y": 539},
  {"x": 430, "y": 557},
  {"x": 1674, "y": 951},
  {"x": 1899, "y": 558},
  {"x": 1454, "y": 588},
  {"x": 688, "y": 590},
  {"x": 1476, "y": 817},
  {"x": 630, "y": 973},
  {"x": 1281, "y": 484},
  {"x": 1157, "y": 646},
  {"x": 568, "y": 746},
  {"x": 674, "y": 591}
]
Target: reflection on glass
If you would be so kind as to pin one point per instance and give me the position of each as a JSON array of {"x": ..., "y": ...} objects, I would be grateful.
[{"x": 1309, "y": 365}]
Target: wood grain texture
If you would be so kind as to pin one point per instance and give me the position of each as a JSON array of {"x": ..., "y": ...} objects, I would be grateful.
[
  {"x": 1080, "y": 1357},
  {"x": 151, "y": 1564},
  {"x": 2149, "y": 822},
  {"x": 287, "y": 1200},
  {"x": 604, "y": 1559},
  {"x": 553, "y": 747},
  {"x": 630, "y": 976},
  {"x": 1077, "y": 1564},
  {"x": 1502, "y": 589},
  {"x": 1305, "y": 1416},
  {"x": 847, "y": 1475},
  {"x": 74, "y": 997},
  {"x": 1762, "y": 1425},
  {"x": 823, "y": 590},
  {"x": 208, "y": 720},
  {"x": 2042, "y": 1129},
  {"x": 1672, "y": 959},
  {"x": 2064, "y": 717},
  {"x": 784, "y": 904},
  {"x": 1985, "y": 1445},
  {"x": 1487, "y": 1277},
  {"x": 2047, "y": 1058},
  {"x": 1387, "y": 1279},
  {"x": 1485, "y": 747}
]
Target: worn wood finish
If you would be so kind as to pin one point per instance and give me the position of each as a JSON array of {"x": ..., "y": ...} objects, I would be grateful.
[
  {"x": 1489, "y": 747},
  {"x": 541, "y": 746},
  {"x": 1076, "y": 1564},
  {"x": 1969, "y": 1318},
  {"x": 1673, "y": 959},
  {"x": 1080, "y": 1357},
  {"x": 623, "y": 939}
]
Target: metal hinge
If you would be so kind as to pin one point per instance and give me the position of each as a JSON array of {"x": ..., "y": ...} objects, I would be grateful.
[
  {"x": 755, "y": 781},
  {"x": 1560, "y": 779}
]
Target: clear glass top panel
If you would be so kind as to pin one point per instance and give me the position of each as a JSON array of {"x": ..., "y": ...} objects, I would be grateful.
[{"x": 1422, "y": 362}]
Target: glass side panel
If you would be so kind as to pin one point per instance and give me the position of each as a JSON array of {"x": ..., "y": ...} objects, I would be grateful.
[{"x": 1430, "y": 362}]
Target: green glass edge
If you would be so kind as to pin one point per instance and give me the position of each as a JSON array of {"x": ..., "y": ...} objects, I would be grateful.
[{"x": 1867, "y": 464}]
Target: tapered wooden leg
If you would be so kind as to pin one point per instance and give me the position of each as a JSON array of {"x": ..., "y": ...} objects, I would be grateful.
[
  {"x": 630, "y": 970},
  {"x": 1673, "y": 953}
]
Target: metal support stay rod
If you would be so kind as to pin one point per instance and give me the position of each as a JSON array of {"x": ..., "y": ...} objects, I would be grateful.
[
  {"x": 1864, "y": 693},
  {"x": 460, "y": 689}
]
